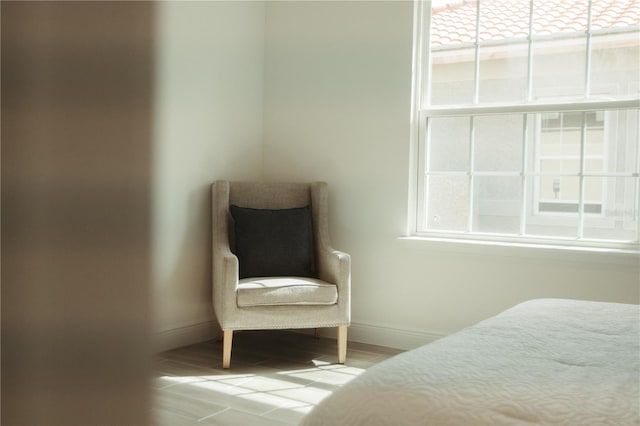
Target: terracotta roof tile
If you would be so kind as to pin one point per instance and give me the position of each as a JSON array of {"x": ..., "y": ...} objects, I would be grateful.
[{"x": 502, "y": 19}]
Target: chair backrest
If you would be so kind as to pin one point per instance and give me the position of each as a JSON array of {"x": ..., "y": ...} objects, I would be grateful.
[{"x": 260, "y": 195}]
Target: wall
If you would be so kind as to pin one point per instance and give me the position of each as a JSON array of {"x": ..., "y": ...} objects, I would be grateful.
[
  {"x": 207, "y": 126},
  {"x": 337, "y": 108},
  {"x": 76, "y": 138}
]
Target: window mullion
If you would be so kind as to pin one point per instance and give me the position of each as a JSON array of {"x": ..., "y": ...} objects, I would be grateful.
[
  {"x": 530, "y": 55},
  {"x": 476, "y": 85},
  {"x": 525, "y": 159},
  {"x": 635, "y": 208},
  {"x": 476, "y": 99},
  {"x": 423, "y": 186},
  {"x": 577, "y": 106},
  {"x": 636, "y": 202},
  {"x": 526, "y": 142},
  {"x": 583, "y": 137},
  {"x": 472, "y": 138},
  {"x": 587, "y": 61}
]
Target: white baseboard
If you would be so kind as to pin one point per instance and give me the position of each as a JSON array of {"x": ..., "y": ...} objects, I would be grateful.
[
  {"x": 358, "y": 332},
  {"x": 389, "y": 336},
  {"x": 385, "y": 336},
  {"x": 184, "y": 336}
]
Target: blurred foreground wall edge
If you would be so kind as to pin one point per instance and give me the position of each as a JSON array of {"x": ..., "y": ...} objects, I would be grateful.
[{"x": 76, "y": 148}]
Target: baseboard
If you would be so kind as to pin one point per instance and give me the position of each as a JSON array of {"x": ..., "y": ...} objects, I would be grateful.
[
  {"x": 374, "y": 334},
  {"x": 184, "y": 336}
]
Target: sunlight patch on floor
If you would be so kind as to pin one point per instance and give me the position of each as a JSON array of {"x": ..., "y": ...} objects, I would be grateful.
[{"x": 297, "y": 390}]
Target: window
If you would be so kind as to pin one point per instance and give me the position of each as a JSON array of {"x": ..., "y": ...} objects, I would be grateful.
[{"x": 528, "y": 121}]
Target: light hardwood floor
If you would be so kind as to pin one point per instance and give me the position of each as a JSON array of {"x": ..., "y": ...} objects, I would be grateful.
[{"x": 276, "y": 377}]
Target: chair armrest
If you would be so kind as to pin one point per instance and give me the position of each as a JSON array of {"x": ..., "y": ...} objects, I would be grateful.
[
  {"x": 224, "y": 262},
  {"x": 225, "y": 277},
  {"x": 335, "y": 267}
]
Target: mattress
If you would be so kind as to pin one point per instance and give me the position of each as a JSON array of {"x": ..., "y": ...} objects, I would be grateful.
[{"x": 545, "y": 361}]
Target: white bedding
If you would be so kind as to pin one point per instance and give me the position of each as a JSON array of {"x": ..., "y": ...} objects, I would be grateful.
[{"x": 547, "y": 361}]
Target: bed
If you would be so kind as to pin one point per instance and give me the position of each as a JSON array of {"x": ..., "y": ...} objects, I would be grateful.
[{"x": 545, "y": 361}]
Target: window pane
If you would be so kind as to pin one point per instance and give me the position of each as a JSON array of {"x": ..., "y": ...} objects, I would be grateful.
[
  {"x": 594, "y": 190},
  {"x": 595, "y": 143},
  {"x": 556, "y": 230},
  {"x": 452, "y": 53},
  {"x": 558, "y": 190},
  {"x": 498, "y": 143},
  {"x": 552, "y": 17},
  {"x": 559, "y": 48},
  {"x": 449, "y": 144},
  {"x": 497, "y": 204},
  {"x": 504, "y": 28},
  {"x": 559, "y": 68},
  {"x": 503, "y": 73},
  {"x": 616, "y": 144},
  {"x": 560, "y": 142},
  {"x": 554, "y": 208},
  {"x": 453, "y": 77},
  {"x": 618, "y": 219},
  {"x": 615, "y": 62},
  {"x": 448, "y": 198},
  {"x": 594, "y": 166}
]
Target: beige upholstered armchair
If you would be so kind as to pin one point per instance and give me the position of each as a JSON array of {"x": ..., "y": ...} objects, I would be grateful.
[{"x": 273, "y": 264}]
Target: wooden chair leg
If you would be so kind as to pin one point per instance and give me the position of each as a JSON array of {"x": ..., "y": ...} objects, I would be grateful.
[
  {"x": 342, "y": 344},
  {"x": 226, "y": 348}
]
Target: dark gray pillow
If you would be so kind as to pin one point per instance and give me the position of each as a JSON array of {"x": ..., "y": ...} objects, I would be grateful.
[{"x": 273, "y": 242}]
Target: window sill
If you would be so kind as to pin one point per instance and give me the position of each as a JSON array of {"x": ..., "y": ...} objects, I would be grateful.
[{"x": 537, "y": 251}]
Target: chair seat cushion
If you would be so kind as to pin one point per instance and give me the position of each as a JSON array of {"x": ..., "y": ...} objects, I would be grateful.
[{"x": 285, "y": 291}]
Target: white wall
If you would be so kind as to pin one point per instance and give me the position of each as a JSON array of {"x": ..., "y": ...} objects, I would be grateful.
[
  {"x": 208, "y": 126},
  {"x": 321, "y": 90},
  {"x": 337, "y": 107}
]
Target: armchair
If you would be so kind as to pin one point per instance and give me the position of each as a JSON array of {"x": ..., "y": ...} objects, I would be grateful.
[{"x": 275, "y": 287}]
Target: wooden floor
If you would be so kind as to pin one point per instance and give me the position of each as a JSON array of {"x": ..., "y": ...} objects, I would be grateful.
[{"x": 276, "y": 377}]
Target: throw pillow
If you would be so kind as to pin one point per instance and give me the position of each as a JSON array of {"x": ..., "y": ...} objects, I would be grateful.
[{"x": 273, "y": 242}]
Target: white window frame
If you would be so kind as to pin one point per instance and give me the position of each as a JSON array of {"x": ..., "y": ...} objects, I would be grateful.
[{"x": 419, "y": 135}]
